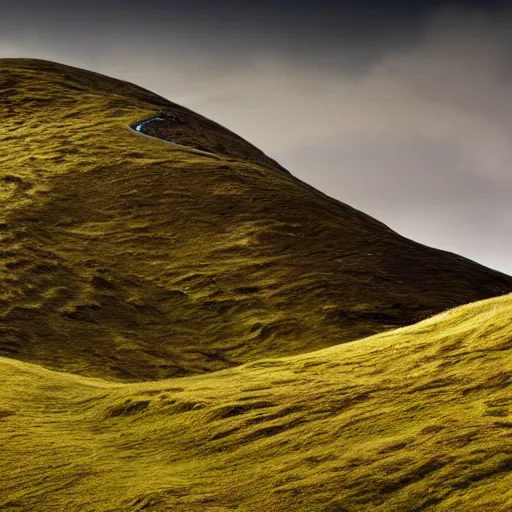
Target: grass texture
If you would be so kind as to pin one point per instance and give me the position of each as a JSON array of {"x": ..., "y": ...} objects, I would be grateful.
[{"x": 414, "y": 419}]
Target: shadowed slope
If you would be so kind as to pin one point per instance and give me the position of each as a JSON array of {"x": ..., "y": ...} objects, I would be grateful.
[
  {"x": 127, "y": 257},
  {"x": 416, "y": 419}
]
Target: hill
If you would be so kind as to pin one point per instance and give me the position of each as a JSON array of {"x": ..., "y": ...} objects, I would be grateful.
[
  {"x": 129, "y": 257},
  {"x": 414, "y": 419}
]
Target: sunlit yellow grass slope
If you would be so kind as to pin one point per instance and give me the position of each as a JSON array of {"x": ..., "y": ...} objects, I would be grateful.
[
  {"x": 127, "y": 257},
  {"x": 415, "y": 419}
]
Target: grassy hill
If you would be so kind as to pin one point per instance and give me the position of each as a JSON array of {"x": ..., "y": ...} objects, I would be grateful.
[
  {"x": 127, "y": 257},
  {"x": 414, "y": 419},
  {"x": 207, "y": 266}
]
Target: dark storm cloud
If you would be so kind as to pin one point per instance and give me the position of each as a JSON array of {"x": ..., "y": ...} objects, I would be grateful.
[
  {"x": 401, "y": 109},
  {"x": 333, "y": 35}
]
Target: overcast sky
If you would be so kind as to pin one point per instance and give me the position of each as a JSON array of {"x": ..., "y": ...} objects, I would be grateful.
[{"x": 403, "y": 111}]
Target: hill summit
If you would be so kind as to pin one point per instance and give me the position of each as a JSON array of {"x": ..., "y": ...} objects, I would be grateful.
[{"x": 140, "y": 240}]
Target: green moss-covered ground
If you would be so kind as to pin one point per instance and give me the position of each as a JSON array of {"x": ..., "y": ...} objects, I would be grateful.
[
  {"x": 414, "y": 419},
  {"x": 127, "y": 257}
]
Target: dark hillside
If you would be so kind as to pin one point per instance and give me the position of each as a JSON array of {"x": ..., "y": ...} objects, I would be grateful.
[{"x": 126, "y": 257}]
